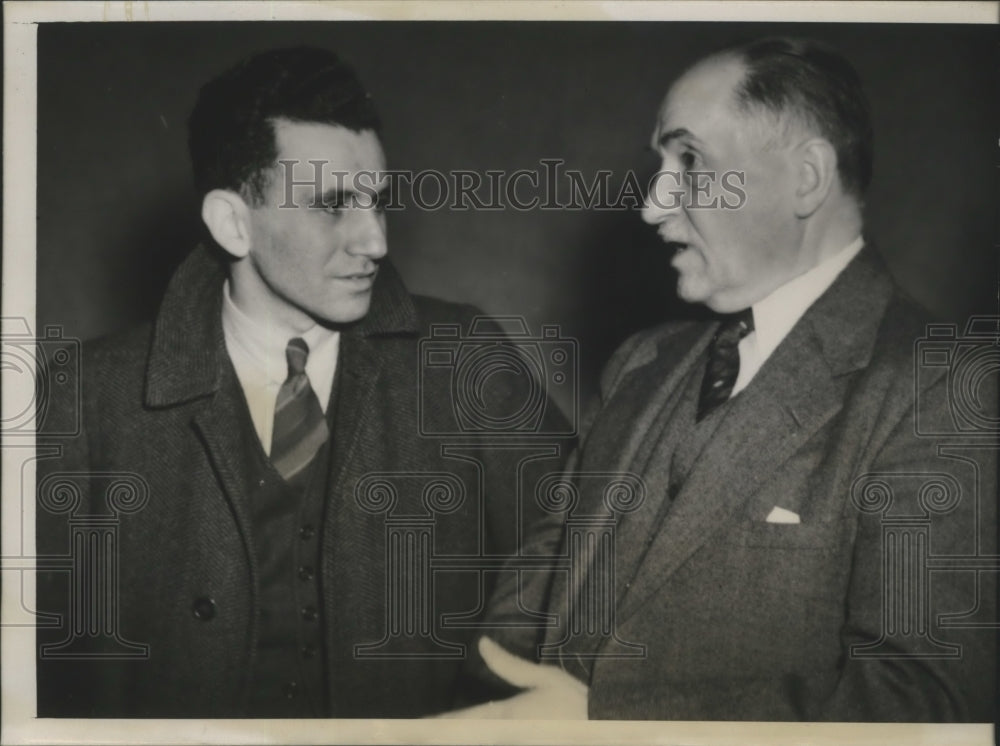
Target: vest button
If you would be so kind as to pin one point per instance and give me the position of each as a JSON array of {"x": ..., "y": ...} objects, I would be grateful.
[
  {"x": 307, "y": 532},
  {"x": 306, "y": 572},
  {"x": 290, "y": 690},
  {"x": 203, "y": 608},
  {"x": 309, "y": 651},
  {"x": 309, "y": 613}
]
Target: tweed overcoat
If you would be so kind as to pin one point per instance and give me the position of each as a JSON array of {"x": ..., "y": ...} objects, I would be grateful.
[{"x": 162, "y": 403}]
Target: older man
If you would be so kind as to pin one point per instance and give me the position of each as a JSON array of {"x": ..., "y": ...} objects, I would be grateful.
[
  {"x": 769, "y": 574},
  {"x": 282, "y": 375}
]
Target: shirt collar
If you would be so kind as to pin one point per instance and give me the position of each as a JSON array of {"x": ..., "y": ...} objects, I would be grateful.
[
  {"x": 775, "y": 315},
  {"x": 265, "y": 344}
]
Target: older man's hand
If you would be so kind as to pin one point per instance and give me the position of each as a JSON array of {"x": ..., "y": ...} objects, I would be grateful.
[{"x": 552, "y": 694}]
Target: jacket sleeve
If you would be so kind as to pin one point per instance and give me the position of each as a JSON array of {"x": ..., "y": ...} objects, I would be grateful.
[{"x": 921, "y": 646}]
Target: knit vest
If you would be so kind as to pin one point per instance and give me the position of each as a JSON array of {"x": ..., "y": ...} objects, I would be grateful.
[{"x": 289, "y": 673}]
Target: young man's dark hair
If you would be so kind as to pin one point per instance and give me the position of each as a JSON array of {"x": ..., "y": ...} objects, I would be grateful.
[{"x": 231, "y": 129}]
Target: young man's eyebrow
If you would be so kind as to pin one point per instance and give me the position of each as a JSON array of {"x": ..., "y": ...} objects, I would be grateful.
[{"x": 340, "y": 196}]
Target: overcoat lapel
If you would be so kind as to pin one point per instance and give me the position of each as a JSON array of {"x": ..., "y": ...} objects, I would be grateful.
[
  {"x": 360, "y": 370},
  {"x": 363, "y": 432},
  {"x": 188, "y": 364},
  {"x": 364, "y": 355},
  {"x": 799, "y": 388}
]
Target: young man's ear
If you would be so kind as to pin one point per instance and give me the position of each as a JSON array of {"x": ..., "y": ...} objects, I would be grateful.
[
  {"x": 228, "y": 219},
  {"x": 817, "y": 170}
]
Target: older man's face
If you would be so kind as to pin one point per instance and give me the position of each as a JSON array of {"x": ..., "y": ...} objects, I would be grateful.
[{"x": 730, "y": 252}]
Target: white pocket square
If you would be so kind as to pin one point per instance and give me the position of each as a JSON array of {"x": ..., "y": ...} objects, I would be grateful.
[{"x": 780, "y": 515}]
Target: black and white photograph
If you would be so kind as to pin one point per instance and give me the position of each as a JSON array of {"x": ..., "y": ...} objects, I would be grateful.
[{"x": 462, "y": 373}]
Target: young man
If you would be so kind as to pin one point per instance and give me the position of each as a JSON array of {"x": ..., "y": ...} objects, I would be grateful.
[{"x": 261, "y": 420}]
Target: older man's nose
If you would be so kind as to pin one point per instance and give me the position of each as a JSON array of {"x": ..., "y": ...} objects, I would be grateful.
[{"x": 664, "y": 198}]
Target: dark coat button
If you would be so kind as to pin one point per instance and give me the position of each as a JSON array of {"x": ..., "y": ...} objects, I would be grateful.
[
  {"x": 307, "y": 532},
  {"x": 203, "y": 608},
  {"x": 309, "y": 613},
  {"x": 291, "y": 689},
  {"x": 306, "y": 572},
  {"x": 309, "y": 651}
]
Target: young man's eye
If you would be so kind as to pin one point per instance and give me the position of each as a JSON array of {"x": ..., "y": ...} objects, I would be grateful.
[
  {"x": 688, "y": 159},
  {"x": 361, "y": 201},
  {"x": 371, "y": 200}
]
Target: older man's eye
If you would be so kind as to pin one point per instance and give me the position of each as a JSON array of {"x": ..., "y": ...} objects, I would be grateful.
[
  {"x": 334, "y": 211},
  {"x": 333, "y": 203},
  {"x": 380, "y": 200},
  {"x": 688, "y": 159}
]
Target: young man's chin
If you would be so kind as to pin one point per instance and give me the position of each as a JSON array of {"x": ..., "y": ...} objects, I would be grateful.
[{"x": 346, "y": 313}]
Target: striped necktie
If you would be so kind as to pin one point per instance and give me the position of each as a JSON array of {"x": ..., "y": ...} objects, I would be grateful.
[
  {"x": 300, "y": 427},
  {"x": 723, "y": 362}
]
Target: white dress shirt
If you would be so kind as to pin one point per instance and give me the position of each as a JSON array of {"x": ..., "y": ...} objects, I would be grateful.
[
  {"x": 258, "y": 354},
  {"x": 775, "y": 315}
]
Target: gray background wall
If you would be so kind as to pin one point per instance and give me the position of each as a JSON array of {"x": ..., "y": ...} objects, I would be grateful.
[{"x": 117, "y": 212}]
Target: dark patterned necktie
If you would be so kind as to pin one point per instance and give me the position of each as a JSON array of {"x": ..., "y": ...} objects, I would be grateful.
[
  {"x": 299, "y": 424},
  {"x": 723, "y": 362}
]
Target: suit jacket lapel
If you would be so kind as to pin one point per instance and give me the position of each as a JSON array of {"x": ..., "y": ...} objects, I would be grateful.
[
  {"x": 641, "y": 430},
  {"x": 619, "y": 438},
  {"x": 796, "y": 392}
]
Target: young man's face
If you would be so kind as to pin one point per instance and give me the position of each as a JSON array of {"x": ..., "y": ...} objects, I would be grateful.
[
  {"x": 314, "y": 248},
  {"x": 727, "y": 259}
]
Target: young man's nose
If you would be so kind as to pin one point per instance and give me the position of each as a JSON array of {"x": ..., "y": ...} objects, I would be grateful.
[{"x": 368, "y": 237}]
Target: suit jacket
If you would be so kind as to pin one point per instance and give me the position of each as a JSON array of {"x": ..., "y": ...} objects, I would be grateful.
[
  {"x": 742, "y": 618},
  {"x": 162, "y": 403}
]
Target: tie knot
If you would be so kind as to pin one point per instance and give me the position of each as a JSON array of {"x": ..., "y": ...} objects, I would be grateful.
[
  {"x": 297, "y": 352},
  {"x": 744, "y": 322},
  {"x": 735, "y": 326}
]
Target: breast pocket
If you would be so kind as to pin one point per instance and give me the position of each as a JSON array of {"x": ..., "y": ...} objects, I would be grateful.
[
  {"x": 789, "y": 562},
  {"x": 817, "y": 535}
]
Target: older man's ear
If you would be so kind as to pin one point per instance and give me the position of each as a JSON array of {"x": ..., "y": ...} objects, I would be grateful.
[
  {"x": 817, "y": 170},
  {"x": 228, "y": 219}
]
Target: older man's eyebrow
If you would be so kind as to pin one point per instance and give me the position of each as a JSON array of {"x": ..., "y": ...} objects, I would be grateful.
[
  {"x": 333, "y": 197},
  {"x": 680, "y": 132}
]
